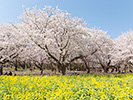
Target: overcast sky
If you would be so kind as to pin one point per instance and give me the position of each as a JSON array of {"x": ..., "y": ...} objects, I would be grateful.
[{"x": 114, "y": 16}]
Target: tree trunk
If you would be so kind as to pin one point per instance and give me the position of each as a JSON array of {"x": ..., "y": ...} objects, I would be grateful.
[
  {"x": 59, "y": 69},
  {"x": 1, "y": 69},
  {"x": 23, "y": 66},
  {"x": 105, "y": 69},
  {"x": 86, "y": 65},
  {"x": 16, "y": 68},
  {"x": 63, "y": 69},
  {"x": 88, "y": 70}
]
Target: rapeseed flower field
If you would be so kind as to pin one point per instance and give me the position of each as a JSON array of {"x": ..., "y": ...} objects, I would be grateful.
[{"x": 82, "y": 87}]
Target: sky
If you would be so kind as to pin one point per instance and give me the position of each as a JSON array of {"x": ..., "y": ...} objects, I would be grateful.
[{"x": 113, "y": 16}]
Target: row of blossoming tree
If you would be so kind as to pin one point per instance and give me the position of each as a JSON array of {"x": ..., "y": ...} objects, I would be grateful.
[{"x": 51, "y": 37}]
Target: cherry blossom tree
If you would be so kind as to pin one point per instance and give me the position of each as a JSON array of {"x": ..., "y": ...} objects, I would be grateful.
[
  {"x": 104, "y": 46},
  {"x": 34, "y": 55},
  {"x": 11, "y": 44},
  {"x": 124, "y": 49},
  {"x": 55, "y": 32}
]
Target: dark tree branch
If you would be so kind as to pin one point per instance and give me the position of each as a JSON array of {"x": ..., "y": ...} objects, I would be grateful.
[
  {"x": 47, "y": 51},
  {"x": 94, "y": 52}
]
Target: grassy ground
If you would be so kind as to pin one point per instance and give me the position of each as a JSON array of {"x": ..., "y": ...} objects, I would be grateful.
[
  {"x": 37, "y": 72},
  {"x": 46, "y": 72}
]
